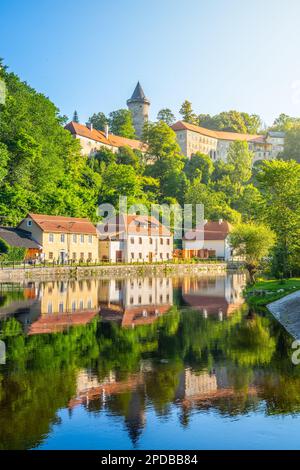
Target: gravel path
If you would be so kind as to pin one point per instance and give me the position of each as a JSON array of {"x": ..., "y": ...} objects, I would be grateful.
[{"x": 287, "y": 312}]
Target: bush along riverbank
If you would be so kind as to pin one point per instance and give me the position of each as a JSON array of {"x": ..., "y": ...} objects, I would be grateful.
[{"x": 264, "y": 291}]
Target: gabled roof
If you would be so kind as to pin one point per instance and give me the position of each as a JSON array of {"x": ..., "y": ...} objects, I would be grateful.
[
  {"x": 133, "y": 225},
  {"x": 211, "y": 231},
  {"x": 138, "y": 94},
  {"x": 99, "y": 136},
  {"x": 59, "y": 224},
  {"x": 18, "y": 238},
  {"x": 220, "y": 135}
]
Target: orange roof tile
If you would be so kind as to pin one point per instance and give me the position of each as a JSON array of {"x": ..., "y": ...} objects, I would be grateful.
[
  {"x": 212, "y": 231},
  {"x": 134, "y": 225},
  {"x": 220, "y": 135},
  {"x": 59, "y": 224},
  {"x": 99, "y": 136}
]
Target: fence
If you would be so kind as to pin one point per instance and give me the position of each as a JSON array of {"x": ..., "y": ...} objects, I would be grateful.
[{"x": 71, "y": 263}]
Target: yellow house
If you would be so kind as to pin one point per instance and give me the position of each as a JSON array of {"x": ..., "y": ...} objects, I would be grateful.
[{"x": 62, "y": 238}]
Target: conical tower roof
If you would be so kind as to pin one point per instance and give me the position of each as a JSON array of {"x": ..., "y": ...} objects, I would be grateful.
[{"x": 138, "y": 94}]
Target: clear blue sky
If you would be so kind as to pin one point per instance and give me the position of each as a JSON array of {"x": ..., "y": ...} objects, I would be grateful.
[{"x": 219, "y": 54}]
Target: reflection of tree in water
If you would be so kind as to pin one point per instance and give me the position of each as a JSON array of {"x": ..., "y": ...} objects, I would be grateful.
[{"x": 40, "y": 377}]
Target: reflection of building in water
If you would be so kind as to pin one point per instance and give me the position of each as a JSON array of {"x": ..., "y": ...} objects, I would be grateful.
[
  {"x": 89, "y": 389},
  {"x": 64, "y": 304},
  {"x": 192, "y": 384},
  {"x": 135, "y": 301},
  {"x": 196, "y": 387},
  {"x": 220, "y": 295}
]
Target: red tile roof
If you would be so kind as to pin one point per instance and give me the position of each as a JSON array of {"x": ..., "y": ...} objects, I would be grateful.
[
  {"x": 134, "y": 225},
  {"x": 59, "y": 224},
  {"x": 220, "y": 135},
  {"x": 99, "y": 136},
  {"x": 212, "y": 231}
]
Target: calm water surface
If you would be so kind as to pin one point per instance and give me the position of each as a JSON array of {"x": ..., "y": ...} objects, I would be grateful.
[{"x": 148, "y": 363}]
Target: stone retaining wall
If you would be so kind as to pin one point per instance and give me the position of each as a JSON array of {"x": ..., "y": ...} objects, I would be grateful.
[{"x": 68, "y": 272}]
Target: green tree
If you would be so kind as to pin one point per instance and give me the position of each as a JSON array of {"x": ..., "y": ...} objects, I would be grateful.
[
  {"x": 161, "y": 141},
  {"x": 199, "y": 165},
  {"x": 241, "y": 160},
  {"x": 120, "y": 180},
  {"x": 292, "y": 144},
  {"x": 187, "y": 113},
  {"x": 279, "y": 182},
  {"x": 127, "y": 156},
  {"x": 99, "y": 121},
  {"x": 121, "y": 123},
  {"x": 253, "y": 242},
  {"x": 166, "y": 116}
]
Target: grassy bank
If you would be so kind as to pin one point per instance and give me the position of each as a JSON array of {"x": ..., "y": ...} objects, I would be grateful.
[{"x": 266, "y": 291}]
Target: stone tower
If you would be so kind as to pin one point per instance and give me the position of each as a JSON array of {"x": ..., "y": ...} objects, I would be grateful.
[{"x": 139, "y": 105}]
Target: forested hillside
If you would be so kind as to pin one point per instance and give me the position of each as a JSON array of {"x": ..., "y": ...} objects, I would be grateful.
[{"x": 42, "y": 170}]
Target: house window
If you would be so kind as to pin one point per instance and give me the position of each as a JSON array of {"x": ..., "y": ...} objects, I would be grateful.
[
  {"x": 74, "y": 238},
  {"x": 140, "y": 299},
  {"x": 50, "y": 255},
  {"x": 51, "y": 237},
  {"x": 90, "y": 239},
  {"x": 81, "y": 305},
  {"x": 73, "y": 306},
  {"x": 29, "y": 223},
  {"x": 74, "y": 256},
  {"x": 151, "y": 241},
  {"x": 150, "y": 299},
  {"x": 140, "y": 240},
  {"x": 82, "y": 256},
  {"x": 61, "y": 307},
  {"x": 62, "y": 238},
  {"x": 168, "y": 241},
  {"x": 168, "y": 255},
  {"x": 132, "y": 255},
  {"x": 131, "y": 300},
  {"x": 90, "y": 256},
  {"x": 132, "y": 240},
  {"x": 161, "y": 256},
  {"x": 50, "y": 310},
  {"x": 89, "y": 305},
  {"x": 140, "y": 255},
  {"x": 81, "y": 238},
  {"x": 161, "y": 241}
]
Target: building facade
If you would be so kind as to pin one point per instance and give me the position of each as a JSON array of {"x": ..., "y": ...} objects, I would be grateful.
[
  {"x": 134, "y": 238},
  {"x": 62, "y": 238},
  {"x": 139, "y": 106},
  {"x": 208, "y": 241},
  {"x": 192, "y": 139},
  {"x": 91, "y": 140}
]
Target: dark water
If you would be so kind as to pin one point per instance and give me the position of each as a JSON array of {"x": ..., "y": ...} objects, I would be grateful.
[{"x": 154, "y": 363}]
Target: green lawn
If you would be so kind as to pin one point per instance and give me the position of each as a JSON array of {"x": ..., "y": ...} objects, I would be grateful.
[{"x": 266, "y": 291}]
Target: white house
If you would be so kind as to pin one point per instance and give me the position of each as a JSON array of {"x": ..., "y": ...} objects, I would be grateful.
[
  {"x": 134, "y": 238},
  {"x": 210, "y": 240}
]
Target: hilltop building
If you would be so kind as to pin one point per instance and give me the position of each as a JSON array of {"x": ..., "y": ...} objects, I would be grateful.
[
  {"x": 192, "y": 139},
  {"x": 92, "y": 140},
  {"x": 139, "y": 106}
]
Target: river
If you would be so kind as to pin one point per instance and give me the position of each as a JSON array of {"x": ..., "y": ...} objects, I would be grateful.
[{"x": 144, "y": 363}]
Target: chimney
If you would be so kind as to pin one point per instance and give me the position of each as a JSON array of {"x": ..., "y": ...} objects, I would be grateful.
[
  {"x": 106, "y": 131},
  {"x": 89, "y": 125},
  {"x": 220, "y": 221}
]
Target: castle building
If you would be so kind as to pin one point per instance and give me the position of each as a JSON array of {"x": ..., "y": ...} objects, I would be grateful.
[
  {"x": 139, "y": 105},
  {"x": 91, "y": 140},
  {"x": 192, "y": 139}
]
